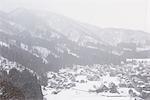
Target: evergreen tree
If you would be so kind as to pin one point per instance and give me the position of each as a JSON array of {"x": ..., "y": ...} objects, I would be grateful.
[{"x": 9, "y": 92}]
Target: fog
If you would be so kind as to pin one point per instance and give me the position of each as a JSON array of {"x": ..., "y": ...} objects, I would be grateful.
[{"x": 128, "y": 14}]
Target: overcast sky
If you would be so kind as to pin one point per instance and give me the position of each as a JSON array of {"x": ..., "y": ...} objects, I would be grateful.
[{"x": 129, "y": 14}]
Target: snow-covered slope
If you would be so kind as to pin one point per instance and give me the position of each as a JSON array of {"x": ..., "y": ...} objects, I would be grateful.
[{"x": 50, "y": 40}]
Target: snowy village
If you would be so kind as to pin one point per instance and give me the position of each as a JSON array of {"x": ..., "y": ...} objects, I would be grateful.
[
  {"x": 74, "y": 50},
  {"x": 128, "y": 81}
]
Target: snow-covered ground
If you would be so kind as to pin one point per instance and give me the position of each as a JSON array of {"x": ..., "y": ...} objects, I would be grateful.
[
  {"x": 67, "y": 95},
  {"x": 82, "y": 87},
  {"x": 79, "y": 94}
]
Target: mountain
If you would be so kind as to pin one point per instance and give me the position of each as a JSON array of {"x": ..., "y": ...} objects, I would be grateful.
[{"x": 45, "y": 41}]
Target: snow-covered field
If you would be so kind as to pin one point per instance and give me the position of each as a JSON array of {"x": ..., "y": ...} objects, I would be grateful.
[
  {"x": 73, "y": 94},
  {"x": 86, "y": 80},
  {"x": 81, "y": 92},
  {"x": 83, "y": 96}
]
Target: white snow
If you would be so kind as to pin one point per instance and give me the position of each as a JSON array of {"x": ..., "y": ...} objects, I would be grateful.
[
  {"x": 117, "y": 53},
  {"x": 143, "y": 49},
  {"x": 81, "y": 78},
  {"x": 7, "y": 65},
  {"x": 73, "y": 54},
  {"x": 41, "y": 52},
  {"x": 24, "y": 46},
  {"x": 87, "y": 39},
  {"x": 107, "y": 79},
  {"x": 4, "y": 44},
  {"x": 62, "y": 47},
  {"x": 44, "y": 52},
  {"x": 92, "y": 47},
  {"x": 78, "y": 95},
  {"x": 127, "y": 49},
  {"x": 80, "y": 92},
  {"x": 146, "y": 60}
]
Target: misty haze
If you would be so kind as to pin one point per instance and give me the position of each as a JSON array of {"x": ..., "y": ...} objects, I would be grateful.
[{"x": 74, "y": 50}]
